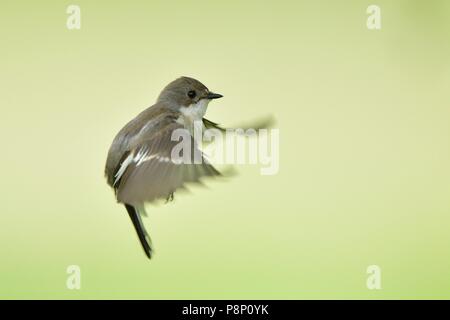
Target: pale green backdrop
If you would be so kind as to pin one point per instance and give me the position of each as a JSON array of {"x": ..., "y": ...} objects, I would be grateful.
[{"x": 364, "y": 149}]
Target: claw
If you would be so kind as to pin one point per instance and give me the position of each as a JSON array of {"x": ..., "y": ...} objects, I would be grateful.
[{"x": 169, "y": 197}]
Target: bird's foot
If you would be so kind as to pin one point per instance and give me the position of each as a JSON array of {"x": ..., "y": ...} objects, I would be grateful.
[{"x": 169, "y": 197}]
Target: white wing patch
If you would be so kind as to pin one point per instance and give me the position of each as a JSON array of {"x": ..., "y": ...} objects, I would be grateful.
[
  {"x": 141, "y": 157},
  {"x": 123, "y": 167}
]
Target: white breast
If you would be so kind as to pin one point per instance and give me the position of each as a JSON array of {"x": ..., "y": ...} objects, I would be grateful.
[
  {"x": 195, "y": 111},
  {"x": 192, "y": 115}
]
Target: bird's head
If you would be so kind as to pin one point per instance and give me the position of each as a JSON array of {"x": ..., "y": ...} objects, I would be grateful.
[{"x": 186, "y": 92}]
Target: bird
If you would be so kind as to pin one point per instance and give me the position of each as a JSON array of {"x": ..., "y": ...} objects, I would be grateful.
[{"x": 138, "y": 165}]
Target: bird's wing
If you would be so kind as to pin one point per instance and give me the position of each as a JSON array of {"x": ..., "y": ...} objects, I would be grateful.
[
  {"x": 262, "y": 123},
  {"x": 212, "y": 125},
  {"x": 148, "y": 172}
]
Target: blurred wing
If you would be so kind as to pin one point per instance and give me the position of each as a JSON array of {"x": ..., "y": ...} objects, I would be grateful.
[
  {"x": 148, "y": 172},
  {"x": 212, "y": 125},
  {"x": 262, "y": 123}
]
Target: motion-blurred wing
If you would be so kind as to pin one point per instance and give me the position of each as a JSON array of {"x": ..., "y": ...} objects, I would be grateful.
[
  {"x": 149, "y": 173},
  {"x": 262, "y": 123}
]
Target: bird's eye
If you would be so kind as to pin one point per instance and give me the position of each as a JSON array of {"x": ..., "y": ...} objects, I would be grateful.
[{"x": 192, "y": 94}]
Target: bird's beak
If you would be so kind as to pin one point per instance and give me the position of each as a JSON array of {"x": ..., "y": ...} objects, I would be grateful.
[{"x": 212, "y": 95}]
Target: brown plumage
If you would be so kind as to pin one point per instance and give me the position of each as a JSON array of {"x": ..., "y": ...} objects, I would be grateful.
[{"x": 138, "y": 166}]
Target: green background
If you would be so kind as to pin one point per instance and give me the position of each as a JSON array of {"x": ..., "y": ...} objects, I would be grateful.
[{"x": 364, "y": 149}]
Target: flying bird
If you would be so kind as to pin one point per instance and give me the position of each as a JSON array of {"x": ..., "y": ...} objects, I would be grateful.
[{"x": 139, "y": 166}]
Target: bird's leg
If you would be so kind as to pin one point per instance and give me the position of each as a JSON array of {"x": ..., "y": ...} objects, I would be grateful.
[{"x": 169, "y": 197}]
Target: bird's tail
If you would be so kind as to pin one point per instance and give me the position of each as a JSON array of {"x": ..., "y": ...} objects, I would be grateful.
[{"x": 144, "y": 238}]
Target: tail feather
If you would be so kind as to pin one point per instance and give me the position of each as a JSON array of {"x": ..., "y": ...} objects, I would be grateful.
[{"x": 144, "y": 238}]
